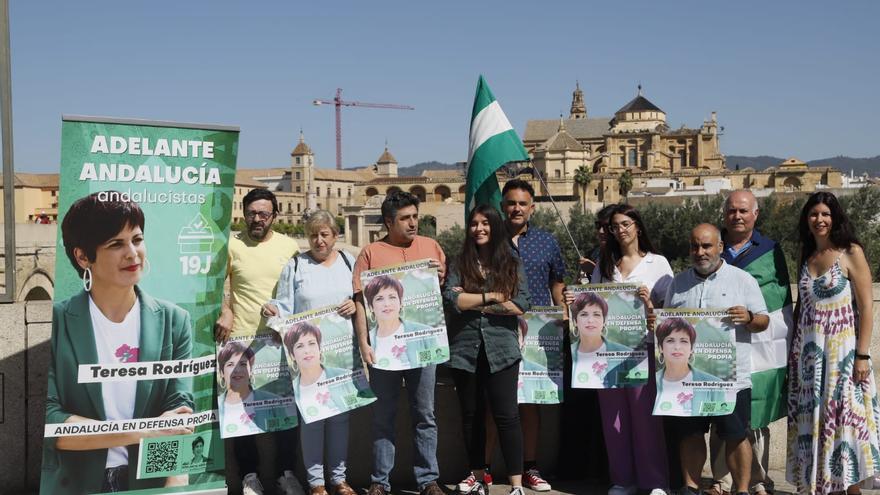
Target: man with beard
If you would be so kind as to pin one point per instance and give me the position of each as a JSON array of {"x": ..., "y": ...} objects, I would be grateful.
[
  {"x": 256, "y": 258},
  {"x": 711, "y": 283}
]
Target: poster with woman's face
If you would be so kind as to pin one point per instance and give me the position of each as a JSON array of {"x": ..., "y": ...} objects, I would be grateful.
[
  {"x": 405, "y": 316},
  {"x": 695, "y": 351},
  {"x": 608, "y": 336},
  {"x": 144, "y": 211},
  {"x": 253, "y": 387},
  {"x": 540, "y": 370},
  {"x": 324, "y": 362}
]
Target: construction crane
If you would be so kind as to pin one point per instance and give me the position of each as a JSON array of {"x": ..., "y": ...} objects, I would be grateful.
[{"x": 339, "y": 103}]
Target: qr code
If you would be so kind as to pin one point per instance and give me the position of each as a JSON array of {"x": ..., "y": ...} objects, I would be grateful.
[
  {"x": 539, "y": 395},
  {"x": 425, "y": 356},
  {"x": 707, "y": 407},
  {"x": 350, "y": 400},
  {"x": 162, "y": 456}
]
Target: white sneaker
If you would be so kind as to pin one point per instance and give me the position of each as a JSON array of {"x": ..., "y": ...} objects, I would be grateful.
[
  {"x": 250, "y": 485},
  {"x": 658, "y": 491},
  {"x": 624, "y": 490},
  {"x": 289, "y": 485},
  {"x": 517, "y": 490},
  {"x": 467, "y": 484}
]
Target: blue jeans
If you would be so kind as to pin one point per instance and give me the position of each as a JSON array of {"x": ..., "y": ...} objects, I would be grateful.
[
  {"x": 420, "y": 389},
  {"x": 332, "y": 434}
]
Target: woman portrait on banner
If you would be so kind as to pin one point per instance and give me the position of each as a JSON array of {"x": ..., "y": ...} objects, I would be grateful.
[
  {"x": 315, "y": 279},
  {"x": 635, "y": 442},
  {"x": 590, "y": 311},
  {"x": 833, "y": 411},
  {"x": 110, "y": 321},
  {"x": 487, "y": 289},
  {"x": 384, "y": 296},
  {"x": 244, "y": 410},
  {"x": 551, "y": 329},
  {"x": 676, "y": 338},
  {"x": 315, "y": 398}
]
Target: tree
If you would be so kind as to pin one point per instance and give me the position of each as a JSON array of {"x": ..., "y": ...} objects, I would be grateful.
[
  {"x": 428, "y": 226},
  {"x": 582, "y": 177},
  {"x": 450, "y": 241},
  {"x": 625, "y": 182}
]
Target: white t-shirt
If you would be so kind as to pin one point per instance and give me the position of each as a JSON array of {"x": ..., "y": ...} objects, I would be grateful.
[
  {"x": 306, "y": 284},
  {"x": 677, "y": 395},
  {"x": 117, "y": 343},
  {"x": 585, "y": 362},
  {"x": 236, "y": 413},
  {"x": 653, "y": 271},
  {"x": 385, "y": 349},
  {"x": 309, "y": 398}
]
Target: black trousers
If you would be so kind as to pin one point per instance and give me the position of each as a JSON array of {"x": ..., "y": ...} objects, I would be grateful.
[
  {"x": 582, "y": 453},
  {"x": 248, "y": 453},
  {"x": 498, "y": 391}
]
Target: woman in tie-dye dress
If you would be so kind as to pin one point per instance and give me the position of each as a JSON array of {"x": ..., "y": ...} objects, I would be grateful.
[{"x": 832, "y": 405}]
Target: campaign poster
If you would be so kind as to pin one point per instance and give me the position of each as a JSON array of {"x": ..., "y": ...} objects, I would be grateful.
[
  {"x": 609, "y": 346},
  {"x": 254, "y": 394},
  {"x": 325, "y": 366},
  {"x": 540, "y": 370},
  {"x": 695, "y": 351},
  {"x": 405, "y": 316},
  {"x": 144, "y": 212},
  {"x": 195, "y": 454}
]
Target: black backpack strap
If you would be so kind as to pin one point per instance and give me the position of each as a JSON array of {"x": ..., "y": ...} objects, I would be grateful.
[{"x": 346, "y": 260}]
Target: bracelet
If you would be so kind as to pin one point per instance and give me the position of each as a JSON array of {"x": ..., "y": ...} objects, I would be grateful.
[
  {"x": 751, "y": 317},
  {"x": 863, "y": 356},
  {"x": 484, "y": 298}
]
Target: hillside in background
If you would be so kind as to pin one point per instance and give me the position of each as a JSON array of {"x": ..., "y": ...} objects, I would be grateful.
[
  {"x": 418, "y": 168},
  {"x": 859, "y": 166},
  {"x": 845, "y": 164}
]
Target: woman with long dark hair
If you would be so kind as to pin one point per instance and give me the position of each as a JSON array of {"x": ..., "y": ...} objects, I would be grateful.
[
  {"x": 636, "y": 446},
  {"x": 832, "y": 398},
  {"x": 487, "y": 290}
]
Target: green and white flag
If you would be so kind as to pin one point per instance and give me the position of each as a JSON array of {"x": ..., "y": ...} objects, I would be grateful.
[{"x": 493, "y": 142}]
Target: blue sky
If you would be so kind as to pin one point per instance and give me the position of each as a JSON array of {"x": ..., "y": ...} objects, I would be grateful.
[{"x": 787, "y": 78}]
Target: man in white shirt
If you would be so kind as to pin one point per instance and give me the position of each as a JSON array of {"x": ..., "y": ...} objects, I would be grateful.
[{"x": 711, "y": 283}]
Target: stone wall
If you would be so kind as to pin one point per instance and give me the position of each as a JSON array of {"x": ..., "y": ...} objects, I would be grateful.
[{"x": 24, "y": 354}]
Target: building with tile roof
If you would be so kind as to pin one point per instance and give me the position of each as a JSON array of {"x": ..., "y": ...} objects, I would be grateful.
[{"x": 638, "y": 139}]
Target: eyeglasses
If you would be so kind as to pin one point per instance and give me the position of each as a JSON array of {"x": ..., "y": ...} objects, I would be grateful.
[
  {"x": 617, "y": 227},
  {"x": 262, "y": 215}
]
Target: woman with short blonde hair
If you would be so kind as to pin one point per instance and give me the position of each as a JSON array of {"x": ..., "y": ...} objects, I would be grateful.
[{"x": 318, "y": 278}]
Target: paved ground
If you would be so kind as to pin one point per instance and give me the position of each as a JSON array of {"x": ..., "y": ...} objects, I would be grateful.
[{"x": 584, "y": 488}]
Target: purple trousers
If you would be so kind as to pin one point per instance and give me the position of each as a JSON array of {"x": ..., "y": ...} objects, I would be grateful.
[{"x": 634, "y": 437}]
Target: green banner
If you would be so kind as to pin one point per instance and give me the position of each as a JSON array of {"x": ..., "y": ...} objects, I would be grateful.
[
  {"x": 405, "y": 316},
  {"x": 540, "y": 370},
  {"x": 144, "y": 212},
  {"x": 608, "y": 339},
  {"x": 695, "y": 351},
  {"x": 325, "y": 365}
]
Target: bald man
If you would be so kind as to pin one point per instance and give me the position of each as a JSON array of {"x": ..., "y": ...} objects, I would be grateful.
[
  {"x": 711, "y": 283},
  {"x": 763, "y": 259}
]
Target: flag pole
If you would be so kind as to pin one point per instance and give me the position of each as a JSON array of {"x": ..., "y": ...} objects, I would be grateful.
[{"x": 535, "y": 171}]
